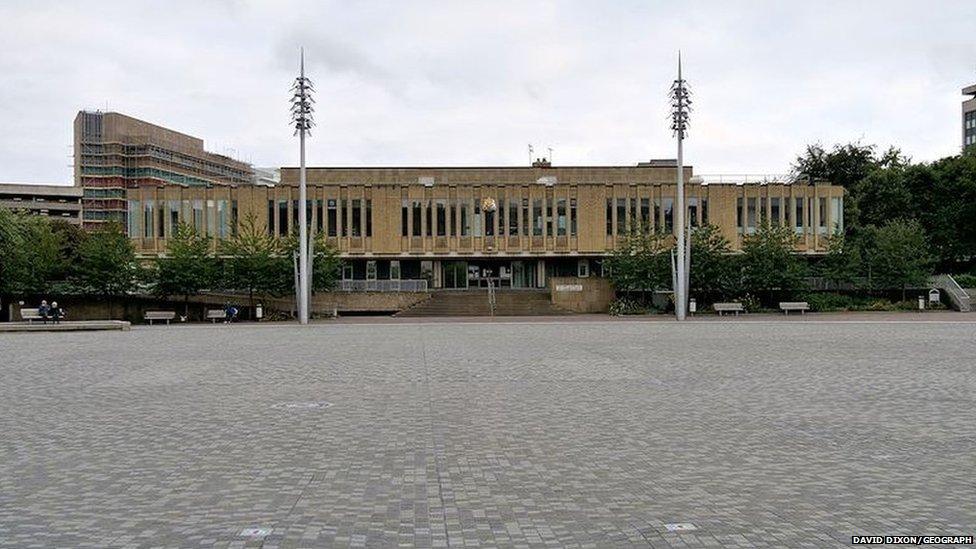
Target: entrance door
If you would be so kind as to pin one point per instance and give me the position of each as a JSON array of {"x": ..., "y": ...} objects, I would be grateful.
[
  {"x": 456, "y": 274},
  {"x": 523, "y": 274}
]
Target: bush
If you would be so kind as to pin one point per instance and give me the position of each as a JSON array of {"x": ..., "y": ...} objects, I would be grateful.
[
  {"x": 624, "y": 306},
  {"x": 821, "y": 302}
]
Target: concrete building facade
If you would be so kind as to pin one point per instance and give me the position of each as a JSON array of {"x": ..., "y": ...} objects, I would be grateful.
[
  {"x": 54, "y": 201},
  {"x": 458, "y": 227},
  {"x": 115, "y": 152},
  {"x": 969, "y": 117}
]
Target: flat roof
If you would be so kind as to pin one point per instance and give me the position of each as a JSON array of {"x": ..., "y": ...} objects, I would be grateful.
[
  {"x": 40, "y": 189},
  {"x": 969, "y": 90}
]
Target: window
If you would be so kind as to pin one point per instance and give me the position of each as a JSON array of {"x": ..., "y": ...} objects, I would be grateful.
[
  {"x": 822, "y": 211},
  {"x": 371, "y": 270},
  {"x": 837, "y": 215},
  {"x": 343, "y": 208},
  {"x": 134, "y": 216},
  {"x": 174, "y": 216},
  {"x": 147, "y": 222},
  {"x": 430, "y": 219},
  {"x": 441, "y": 218},
  {"x": 347, "y": 273},
  {"x": 693, "y": 211},
  {"x": 561, "y": 217},
  {"x": 704, "y": 208},
  {"x": 233, "y": 218},
  {"x": 609, "y": 217},
  {"x": 369, "y": 217},
  {"x": 271, "y": 217},
  {"x": 798, "y": 215},
  {"x": 572, "y": 217},
  {"x": 501, "y": 216},
  {"x": 223, "y": 225},
  {"x": 211, "y": 218},
  {"x": 490, "y": 222},
  {"x": 774, "y": 211},
  {"x": 621, "y": 216},
  {"x": 657, "y": 213},
  {"x": 294, "y": 215},
  {"x": 645, "y": 215},
  {"x": 668, "y": 215},
  {"x": 583, "y": 268},
  {"x": 751, "y": 214},
  {"x": 357, "y": 217},
  {"x": 453, "y": 230},
  {"x": 404, "y": 218},
  {"x": 525, "y": 217},
  {"x": 465, "y": 218},
  {"x": 394, "y": 270},
  {"x": 513, "y": 217},
  {"x": 198, "y": 215},
  {"x": 332, "y": 218},
  {"x": 762, "y": 210},
  {"x": 282, "y": 217},
  {"x": 416, "y": 206},
  {"x": 478, "y": 228},
  {"x": 536, "y": 217},
  {"x": 318, "y": 216},
  {"x": 738, "y": 213}
]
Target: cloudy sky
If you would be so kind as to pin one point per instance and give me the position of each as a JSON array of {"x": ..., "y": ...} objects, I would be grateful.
[{"x": 473, "y": 83}]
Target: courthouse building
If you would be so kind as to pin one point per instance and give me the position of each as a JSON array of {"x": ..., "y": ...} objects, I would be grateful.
[{"x": 460, "y": 227}]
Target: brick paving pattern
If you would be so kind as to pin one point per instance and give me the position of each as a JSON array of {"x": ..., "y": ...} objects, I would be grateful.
[{"x": 541, "y": 434}]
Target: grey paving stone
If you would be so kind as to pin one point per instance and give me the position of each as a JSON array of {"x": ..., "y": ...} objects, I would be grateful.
[{"x": 541, "y": 434}]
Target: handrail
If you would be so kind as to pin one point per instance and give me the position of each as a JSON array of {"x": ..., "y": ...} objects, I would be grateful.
[
  {"x": 405, "y": 285},
  {"x": 957, "y": 295}
]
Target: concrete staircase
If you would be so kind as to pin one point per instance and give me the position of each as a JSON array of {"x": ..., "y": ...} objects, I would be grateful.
[{"x": 475, "y": 303}]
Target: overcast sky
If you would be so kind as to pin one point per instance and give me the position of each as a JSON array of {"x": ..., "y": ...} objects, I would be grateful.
[{"x": 472, "y": 83}]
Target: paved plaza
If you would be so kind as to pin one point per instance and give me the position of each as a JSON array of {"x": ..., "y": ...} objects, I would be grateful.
[{"x": 477, "y": 434}]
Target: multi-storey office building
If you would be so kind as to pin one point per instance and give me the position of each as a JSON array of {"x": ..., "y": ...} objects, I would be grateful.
[
  {"x": 461, "y": 226},
  {"x": 54, "y": 201},
  {"x": 114, "y": 152},
  {"x": 969, "y": 117}
]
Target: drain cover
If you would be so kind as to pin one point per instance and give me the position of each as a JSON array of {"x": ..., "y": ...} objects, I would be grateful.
[
  {"x": 680, "y": 527},
  {"x": 301, "y": 405},
  {"x": 255, "y": 532}
]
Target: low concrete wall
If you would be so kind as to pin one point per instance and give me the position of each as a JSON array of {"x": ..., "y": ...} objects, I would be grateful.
[
  {"x": 326, "y": 302},
  {"x": 581, "y": 295}
]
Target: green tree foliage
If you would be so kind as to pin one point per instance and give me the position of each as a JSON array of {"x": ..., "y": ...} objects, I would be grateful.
[
  {"x": 30, "y": 253},
  {"x": 256, "y": 262},
  {"x": 326, "y": 264},
  {"x": 187, "y": 267},
  {"x": 106, "y": 264},
  {"x": 642, "y": 262},
  {"x": 769, "y": 262},
  {"x": 894, "y": 255},
  {"x": 842, "y": 263},
  {"x": 713, "y": 268}
]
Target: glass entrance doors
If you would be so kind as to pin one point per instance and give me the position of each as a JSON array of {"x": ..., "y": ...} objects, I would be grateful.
[{"x": 456, "y": 274}]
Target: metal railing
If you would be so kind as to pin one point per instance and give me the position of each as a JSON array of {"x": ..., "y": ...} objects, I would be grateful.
[
  {"x": 491, "y": 298},
  {"x": 407, "y": 285},
  {"x": 958, "y": 296}
]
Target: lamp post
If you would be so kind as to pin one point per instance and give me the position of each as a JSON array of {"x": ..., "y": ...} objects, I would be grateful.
[
  {"x": 680, "y": 106},
  {"x": 301, "y": 116}
]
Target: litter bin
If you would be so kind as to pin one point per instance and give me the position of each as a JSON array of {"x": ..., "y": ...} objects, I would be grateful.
[{"x": 259, "y": 312}]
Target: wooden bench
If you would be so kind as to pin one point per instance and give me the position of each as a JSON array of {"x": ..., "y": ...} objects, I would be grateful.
[
  {"x": 214, "y": 315},
  {"x": 734, "y": 307},
  {"x": 787, "y": 306},
  {"x": 150, "y": 316},
  {"x": 30, "y": 314}
]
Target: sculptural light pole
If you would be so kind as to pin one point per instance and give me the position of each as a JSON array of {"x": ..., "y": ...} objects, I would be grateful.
[
  {"x": 680, "y": 106},
  {"x": 301, "y": 116}
]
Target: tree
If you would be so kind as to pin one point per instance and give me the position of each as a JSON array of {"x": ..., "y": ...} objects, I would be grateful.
[
  {"x": 713, "y": 268},
  {"x": 326, "y": 263},
  {"x": 187, "y": 267},
  {"x": 642, "y": 262},
  {"x": 895, "y": 255},
  {"x": 30, "y": 253},
  {"x": 842, "y": 264},
  {"x": 106, "y": 263},
  {"x": 769, "y": 262},
  {"x": 256, "y": 262}
]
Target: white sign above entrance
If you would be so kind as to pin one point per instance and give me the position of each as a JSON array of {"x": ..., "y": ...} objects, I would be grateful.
[{"x": 569, "y": 287}]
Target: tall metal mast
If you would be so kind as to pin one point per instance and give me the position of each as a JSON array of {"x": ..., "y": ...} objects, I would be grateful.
[
  {"x": 301, "y": 116},
  {"x": 680, "y": 106}
]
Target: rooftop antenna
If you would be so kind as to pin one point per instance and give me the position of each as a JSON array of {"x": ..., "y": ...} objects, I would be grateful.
[
  {"x": 550, "y": 156},
  {"x": 531, "y": 152},
  {"x": 680, "y": 107},
  {"x": 301, "y": 117}
]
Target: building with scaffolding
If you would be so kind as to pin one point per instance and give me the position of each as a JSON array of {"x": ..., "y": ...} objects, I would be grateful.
[{"x": 114, "y": 152}]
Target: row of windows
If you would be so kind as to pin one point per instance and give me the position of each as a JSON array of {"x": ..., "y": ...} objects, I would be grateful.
[
  {"x": 779, "y": 212},
  {"x": 143, "y": 172},
  {"x": 343, "y": 217},
  {"x": 486, "y": 217},
  {"x": 636, "y": 214},
  {"x": 156, "y": 218}
]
